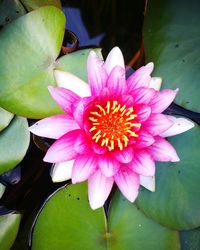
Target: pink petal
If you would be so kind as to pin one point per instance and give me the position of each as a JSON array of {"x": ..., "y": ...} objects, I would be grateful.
[
  {"x": 155, "y": 83},
  {"x": 140, "y": 78},
  {"x": 148, "y": 182},
  {"x": 157, "y": 124},
  {"x": 179, "y": 126},
  {"x": 108, "y": 165},
  {"x": 127, "y": 100},
  {"x": 162, "y": 150},
  {"x": 116, "y": 81},
  {"x": 143, "y": 163},
  {"x": 84, "y": 166},
  {"x": 105, "y": 93},
  {"x": 128, "y": 183},
  {"x": 82, "y": 144},
  {"x": 144, "y": 140},
  {"x": 143, "y": 112},
  {"x": 72, "y": 83},
  {"x": 98, "y": 149},
  {"x": 62, "y": 171},
  {"x": 143, "y": 95},
  {"x": 99, "y": 188},
  {"x": 162, "y": 100},
  {"x": 64, "y": 97},
  {"x": 114, "y": 58},
  {"x": 97, "y": 75},
  {"x": 125, "y": 155},
  {"x": 63, "y": 148},
  {"x": 78, "y": 109},
  {"x": 54, "y": 126}
]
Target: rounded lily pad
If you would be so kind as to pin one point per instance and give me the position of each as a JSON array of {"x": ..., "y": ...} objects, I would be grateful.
[
  {"x": 34, "y": 4},
  {"x": 14, "y": 142},
  {"x": 171, "y": 40},
  {"x": 5, "y": 118},
  {"x": 67, "y": 222},
  {"x": 129, "y": 229},
  {"x": 29, "y": 48},
  {"x": 176, "y": 201},
  {"x": 190, "y": 240},
  {"x": 10, "y": 10},
  {"x": 9, "y": 225}
]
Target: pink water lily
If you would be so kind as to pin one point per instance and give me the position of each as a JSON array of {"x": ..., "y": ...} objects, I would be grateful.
[{"x": 113, "y": 128}]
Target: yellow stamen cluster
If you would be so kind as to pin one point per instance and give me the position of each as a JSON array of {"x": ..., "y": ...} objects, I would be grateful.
[{"x": 112, "y": 125}]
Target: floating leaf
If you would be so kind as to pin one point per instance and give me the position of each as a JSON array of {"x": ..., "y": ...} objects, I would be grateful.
[
  {"x": 10, "y": 10},
  {"x": 176, "y": 201},
  {"x": 171, "y": 40},
  {"x": 34, "y": 4},
  {"x": 69, "y": 222},
  {"x": 5, "y": 118},
  {"x": 9, "y": 225},
  {"x": 14, "y": 142},
  {"x": 129, "y": 228},
  {"x": 29, "y": 48},
  {"x": 190, "y": 240}
]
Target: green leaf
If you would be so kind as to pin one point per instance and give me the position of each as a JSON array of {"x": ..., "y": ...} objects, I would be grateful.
[
  {"x": 14, "y": 142},
  {"x": 131, "y": 229},
  {"x": 190, "y": 240},
  {"x": 10, "y": 10},
  {"x": 76, "y": 62},
  {"x": 29, "y": 48},
  {"x": 2, "y": 189},
  {"x": 5, "y": 118},
  {"x": 69, "y": 222},
  {"x": 176, "y": 201},
  {"x": 9, "y": 225},
  {"x": 35, "y": 4},
  {"x": 171, "y": 40}
]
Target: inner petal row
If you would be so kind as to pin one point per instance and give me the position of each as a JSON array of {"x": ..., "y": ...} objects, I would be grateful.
[{"x": 112, "y": 124}]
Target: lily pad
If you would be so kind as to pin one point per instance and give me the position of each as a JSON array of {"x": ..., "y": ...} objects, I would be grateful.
[
  {"x": 9, "y": 225},
  {"x": 10, "y": 10},
  {"x": 190, "y": 240},
  {"x": 76, "y": 62},
  {"x": 5, "y": 118},
  {"x": 171, "y": 40},
  {"x": 129, "y": 229},
  {"x": 29, "y": 48},
  {"x": 34, "y": 4},
  {"x": 176, "y": 201},
  {"x": 67, "y": 222},
  {"x": 14, "y": 142}
]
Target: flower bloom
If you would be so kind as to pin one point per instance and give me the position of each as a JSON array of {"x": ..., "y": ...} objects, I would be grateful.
[{"x": 113, "y": 129}]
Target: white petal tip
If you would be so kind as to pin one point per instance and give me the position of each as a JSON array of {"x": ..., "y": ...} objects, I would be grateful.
[
  {"x": 155, "y": 83},
  {"x": 116, "y": 50},
  {"x": 92, "y": 53},
  {"x": 95, "y": 206},
  {"x": 148, "y": 182},
  {"x": 72, "y": 83},
  {"x": 175, "y": 159},
  {"x": 150, "y": 66},
  {"x": 62, "y": 171},
  {"x": 180, "y": 125},
  {"x": 114, "y": 58}
]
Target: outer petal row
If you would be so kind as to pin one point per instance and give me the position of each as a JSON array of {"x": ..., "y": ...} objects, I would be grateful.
[
  {"x": 63, "y": 148},
  {"x": 54, "y": 126}
]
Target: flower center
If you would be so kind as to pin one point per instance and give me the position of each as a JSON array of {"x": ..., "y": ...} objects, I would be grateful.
[{"x": 112, "y": 125}]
